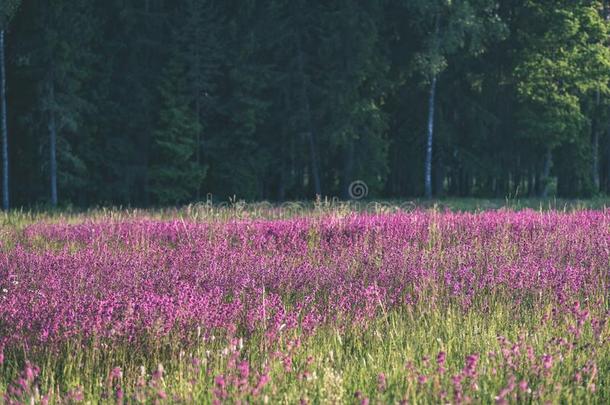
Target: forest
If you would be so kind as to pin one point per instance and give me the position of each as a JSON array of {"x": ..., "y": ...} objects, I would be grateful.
[{"x": 157, "y": 102}]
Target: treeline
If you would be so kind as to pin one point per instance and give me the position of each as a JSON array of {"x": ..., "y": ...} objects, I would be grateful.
[{"x": 153, "y": 102}]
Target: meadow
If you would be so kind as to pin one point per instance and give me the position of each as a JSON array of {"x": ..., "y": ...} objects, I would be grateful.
[{"x": 321, "y": 303}]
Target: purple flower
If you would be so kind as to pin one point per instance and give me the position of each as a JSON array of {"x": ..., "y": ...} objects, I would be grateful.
[
  {"x": 547, "y": 361},
  {"x": 381, "y": 382},
  {"x": 440, "y": 358}
]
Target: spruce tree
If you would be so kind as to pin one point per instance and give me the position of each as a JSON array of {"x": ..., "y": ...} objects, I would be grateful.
[
  {"x": 174, "y": 175},
  {"x": 57, "y": 58}
]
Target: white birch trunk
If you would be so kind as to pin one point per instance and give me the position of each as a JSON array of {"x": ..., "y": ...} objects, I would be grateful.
[
  {"x": 5, "y": 177},
  {"x": 53, "y": 147},
  {"x": 428, "y": 168}
]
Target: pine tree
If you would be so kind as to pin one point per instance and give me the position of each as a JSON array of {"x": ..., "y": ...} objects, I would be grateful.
[
  {"x": 137, "y": 51},
  {"x": 197, "y": 28},
  {"x": 285, "y": 100},
  {"x": 353, "y": 83},
  {"x": 295, "y": 36},
  {"x": 59, "y": 61},
  {"x": 175, "y": 175},
  {"x": 239, "y": 156}
]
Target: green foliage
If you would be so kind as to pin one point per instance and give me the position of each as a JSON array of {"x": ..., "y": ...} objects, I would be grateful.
[
  {"x": 174, "y": 175},
  {"x": 258, "y": 94},
  {"x": 7, "y": 9},
  {"x": 565, "y": 57},
  {"x": 450, "y": 27},
  {"x": 55, "y": 61}
]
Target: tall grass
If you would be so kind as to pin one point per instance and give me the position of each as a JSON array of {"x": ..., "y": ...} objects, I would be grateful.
[{"x": 319, "y": 305}]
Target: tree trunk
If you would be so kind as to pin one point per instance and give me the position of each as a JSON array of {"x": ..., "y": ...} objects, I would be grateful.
[
  {"x": 5, "y": 191},
  {"x": 595, "y": 144},
  {"x": 309, "y": 131},
  {"x": 198, "y": 147},
  {"x": 439, "y": 175},
  {"x": 348, "y": 168},
  {"x": 595, "y": 160},
  {"x": 607, "y": 18},
  {"x": 281, "y": 185},
  {"x": 315, "y": 171},
  {"x": 546, "y": 173},
  {"x": 518, "y": 178},
  {"x": 608, "y": 159},
  {"x": 431, "y": 104},
  {"x": 53, "y": 147},
  {"x": 428, "y": 164},
  {"x": 537, "y": 182}
]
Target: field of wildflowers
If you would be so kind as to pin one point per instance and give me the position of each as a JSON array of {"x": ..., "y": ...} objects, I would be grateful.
[{"x": 337, "y": 307}]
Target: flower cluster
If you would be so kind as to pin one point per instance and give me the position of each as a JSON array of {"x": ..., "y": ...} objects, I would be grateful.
[
  {"x": 127, "y": 280},
  {"x": 137, "y": 282}
]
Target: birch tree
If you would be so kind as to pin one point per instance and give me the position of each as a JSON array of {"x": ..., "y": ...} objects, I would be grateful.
[{"x": 449, "y": 27}]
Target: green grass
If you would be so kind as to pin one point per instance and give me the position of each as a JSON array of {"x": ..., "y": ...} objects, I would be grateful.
[
  {"x": 19, "y": 218},
  {"x": 343, "y": 362},
  {"x": 335, "y": 364}
]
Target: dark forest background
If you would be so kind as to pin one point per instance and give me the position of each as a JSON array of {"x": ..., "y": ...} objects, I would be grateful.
[{"x": 157, "y": 102}]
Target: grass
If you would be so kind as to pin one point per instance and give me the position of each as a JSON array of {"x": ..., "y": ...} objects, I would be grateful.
[
  {"x": 345, "y": 365},
  {"x": 208, "y": 211},
  {"x": 494, "y": 349}
]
